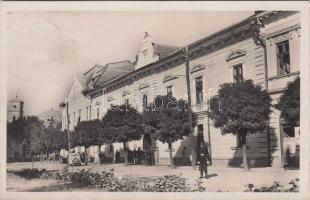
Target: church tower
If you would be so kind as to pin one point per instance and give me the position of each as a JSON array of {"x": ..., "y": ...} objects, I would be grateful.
[{"x": 15, "y": 109}]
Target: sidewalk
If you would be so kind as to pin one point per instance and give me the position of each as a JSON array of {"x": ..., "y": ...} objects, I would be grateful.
[{"x": 220, "y": 177}]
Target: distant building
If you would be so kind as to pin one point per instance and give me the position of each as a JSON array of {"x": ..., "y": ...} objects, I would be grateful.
[
  {"x": 51, "y": 118},
  {"x": 15, "y": 109}
]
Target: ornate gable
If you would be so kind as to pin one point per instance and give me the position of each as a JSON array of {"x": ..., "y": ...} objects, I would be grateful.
[{"x": 235, "y": 54}]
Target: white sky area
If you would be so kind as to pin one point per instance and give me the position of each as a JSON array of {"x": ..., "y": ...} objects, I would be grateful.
[{"x": 47, "y": 49}]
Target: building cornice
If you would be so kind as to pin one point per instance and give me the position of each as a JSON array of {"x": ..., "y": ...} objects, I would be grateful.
[{"x": 196, "y": 50}]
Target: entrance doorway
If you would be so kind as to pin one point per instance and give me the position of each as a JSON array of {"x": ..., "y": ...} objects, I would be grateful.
[{"x": 290, "y": 144}]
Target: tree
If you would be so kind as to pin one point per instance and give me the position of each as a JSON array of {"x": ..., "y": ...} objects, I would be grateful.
[
  {"x": 289, "y": 103},
  {"x": 87, "y": 133},
  {"x": 24, "y": 138},
  {"x": 124, "y": 124},
  {"x": 54, "y": 139},
  {"x": 169, "y": 118},
  {"x": 241, "y": 109}
]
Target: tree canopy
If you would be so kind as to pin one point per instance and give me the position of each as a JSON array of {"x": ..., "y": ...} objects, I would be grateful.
[
  {"x": 87, "y": 133},
  {"x": 240, "y": 108},
  {"x": 169, "y": 118},
  {"x": 27, "y": 136},
  {"x": 289, "y": 103},
  {"x": 123, "y": 123}
]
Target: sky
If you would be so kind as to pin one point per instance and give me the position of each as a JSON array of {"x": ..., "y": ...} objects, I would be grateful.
[{"x": 46, "y": 50}]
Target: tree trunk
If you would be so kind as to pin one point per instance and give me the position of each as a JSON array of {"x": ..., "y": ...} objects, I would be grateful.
[
  {"x": 126, "y": 153},
  {"x": 244, "y": 154},
  {"x": 194, "y": 153},
  {"x": 170, "y": 154}
]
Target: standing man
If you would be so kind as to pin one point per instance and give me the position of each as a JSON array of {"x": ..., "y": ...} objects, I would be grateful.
[
  {"x": 135, "y": 156},
  {"x": 203, "y": 161}
]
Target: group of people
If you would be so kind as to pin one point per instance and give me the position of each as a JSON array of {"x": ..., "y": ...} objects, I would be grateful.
[
  {"x": 138, "y": 157},
  {"x": 134, "y": 157}
]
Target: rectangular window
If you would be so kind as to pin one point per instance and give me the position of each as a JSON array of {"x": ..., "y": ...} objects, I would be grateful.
[
  {"x": 199, "y": 90},
  {"x": 283, "y": 57},
  {"x": 86, "y": 113},
  {"x": 97, "y": 113},
  {"x": 238, "y": 73},
  {"x": 89, "y": 112},
  {"x": 288, "y": 131},
  {"x": 144, "y": 102},
  {"x": 169, "y": 90}
]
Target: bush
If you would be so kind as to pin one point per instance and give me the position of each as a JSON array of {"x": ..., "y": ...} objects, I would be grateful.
[
  {"x": 107, "y": 182},
  {"x": 27, "y": 173},
  {"x": 276, "y": 187}
]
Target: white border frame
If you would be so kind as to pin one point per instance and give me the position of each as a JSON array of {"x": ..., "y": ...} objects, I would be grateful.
[{"x": 162, "y": 6}]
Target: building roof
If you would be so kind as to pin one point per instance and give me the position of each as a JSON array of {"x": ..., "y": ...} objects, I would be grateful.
[
  {"x": 51, "y": 113},
  {"x": 163, "y": 50},
  {"x": 16, "y": 100},
  {"x": 113, "y": 71}
]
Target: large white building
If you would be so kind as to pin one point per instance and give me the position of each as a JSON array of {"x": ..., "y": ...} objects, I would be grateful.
[{"x": 264, "y": 47}]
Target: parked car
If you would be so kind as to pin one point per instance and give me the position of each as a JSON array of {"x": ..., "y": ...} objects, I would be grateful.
[{"x": 74, "y": 159}]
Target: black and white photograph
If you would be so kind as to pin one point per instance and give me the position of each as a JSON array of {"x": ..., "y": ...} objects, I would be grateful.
[{"x": 156, "y": 100}]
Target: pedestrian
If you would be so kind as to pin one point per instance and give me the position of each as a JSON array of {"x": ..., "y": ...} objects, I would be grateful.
[
  {"x": 101, "y": 157},
  {"x": 117, "y": 156},
  {"x": 139, "y": 155},
  {"x": 203, "y": 161},
  {"x": 135, "y": 156}
]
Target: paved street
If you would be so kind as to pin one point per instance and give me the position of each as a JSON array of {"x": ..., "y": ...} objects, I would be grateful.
[{"x": 221, "y": 178}]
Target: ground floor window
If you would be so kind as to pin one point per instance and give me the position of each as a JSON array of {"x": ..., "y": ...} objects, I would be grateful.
[
  {"x": 200, "y": 139},
  {"x": 288, "y": 131}
]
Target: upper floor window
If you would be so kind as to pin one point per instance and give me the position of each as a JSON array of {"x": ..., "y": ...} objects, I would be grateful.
[
  {"x": 86, "y": 113},
  {"x": 97, "y": 113},
  {"x": 126, "y": 101},
  {"x": 238, "y": 73},
  {"x": 199, "y": 90},
  {"x": 89, "y": 112},
  {"x": 283, "y": 57},
  {"x": 144, "y": 54},
  {"x": 169, "y": 90},
  {"x": 144, "y": 102}
]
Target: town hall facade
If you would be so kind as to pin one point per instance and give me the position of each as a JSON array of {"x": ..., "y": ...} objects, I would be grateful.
[{"x": 264, "y": 48}]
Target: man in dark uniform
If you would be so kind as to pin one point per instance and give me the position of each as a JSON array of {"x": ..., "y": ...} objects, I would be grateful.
[
  {"x": 117, "y": 156},
  {"x": 135, "y": 156},
  {"x": 203, "y": 161}
]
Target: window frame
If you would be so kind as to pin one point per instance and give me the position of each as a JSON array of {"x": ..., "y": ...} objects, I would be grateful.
[
  {"x": 144, "y": 101},
  {"x": 169, "y": 93},
  {"x": 235, "y": 76},
  {"x": 281, "y": 71},
  {"x": 199, "y": 100}
]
